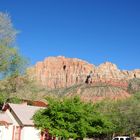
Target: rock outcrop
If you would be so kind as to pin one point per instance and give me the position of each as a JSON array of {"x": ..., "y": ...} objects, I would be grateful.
[{"x": 59, "y": 72}]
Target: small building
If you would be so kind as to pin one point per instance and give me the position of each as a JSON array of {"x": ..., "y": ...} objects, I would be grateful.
[{"x": 16, "y": 122}]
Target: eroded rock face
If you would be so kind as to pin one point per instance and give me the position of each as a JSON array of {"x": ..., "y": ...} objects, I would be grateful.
[{"x": 59, "y": 72}]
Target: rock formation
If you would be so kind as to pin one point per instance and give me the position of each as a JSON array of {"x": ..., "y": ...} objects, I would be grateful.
[{"x": 59, "y": 72}]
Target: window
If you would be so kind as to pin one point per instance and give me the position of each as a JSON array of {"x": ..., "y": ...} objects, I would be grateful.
[
  {"x": 128, "y": 139},
  {"x": 116, "y": 139},
  {"x": 121, "y": 138}
]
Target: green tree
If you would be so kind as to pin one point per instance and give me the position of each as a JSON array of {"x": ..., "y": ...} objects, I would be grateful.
[
  {"x": 124, "y": 114},
  {"x": 71, "y": 118},
  {"x": 11, "y": 62},
  {"x": 3, "y": 98},
  {"x": 15, "y": 100},
  {"x": 130, "y": 110}
]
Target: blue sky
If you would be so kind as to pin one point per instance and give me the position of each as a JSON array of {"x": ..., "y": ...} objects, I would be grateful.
[{"x": 92, "y": 30}]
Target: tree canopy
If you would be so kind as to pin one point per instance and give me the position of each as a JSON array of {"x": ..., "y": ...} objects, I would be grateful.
[
  {"x": 124, "y": 114},
  {"x": 11, "y": 61},
  {"x": 7, "y": 31},
  {"x": 71, "y": 118}
]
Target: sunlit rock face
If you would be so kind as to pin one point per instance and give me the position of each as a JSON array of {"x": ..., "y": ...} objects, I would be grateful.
[{"x": 59, "y": 72}]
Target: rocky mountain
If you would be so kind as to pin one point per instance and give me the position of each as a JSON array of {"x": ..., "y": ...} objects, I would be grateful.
[
  {"x": 59, "y": 72},
  {"x": 71, "y": 76}
]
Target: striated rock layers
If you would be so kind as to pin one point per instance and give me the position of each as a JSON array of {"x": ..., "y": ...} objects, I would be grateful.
[{"x": 59, "y": 72}]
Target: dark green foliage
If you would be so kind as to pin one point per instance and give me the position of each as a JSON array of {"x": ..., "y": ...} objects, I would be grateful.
[
  {"x": 129, "y": 113},
  {"x": 15, "y": 100},
  {"x": 124, "y": 114},
  {"x": 3, "y": 98},
  {"x": 71, "y": 118}
]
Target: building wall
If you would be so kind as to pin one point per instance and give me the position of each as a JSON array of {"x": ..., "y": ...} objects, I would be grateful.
[
  {"x": 15, "y": 123},
  {"x": 14, "y": 127},
  {"x": 6, "y": 132},
  {"x": 25, "y": 133},
  {"x": 30, "y": 133}
]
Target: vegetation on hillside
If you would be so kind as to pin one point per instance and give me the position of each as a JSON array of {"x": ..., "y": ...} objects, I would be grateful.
[
  {"x": 134, "y": 85},
  {"x": 124, "y": 114}
]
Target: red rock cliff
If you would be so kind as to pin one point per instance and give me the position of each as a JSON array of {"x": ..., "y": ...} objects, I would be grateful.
[{"x": 59, "y": 72}]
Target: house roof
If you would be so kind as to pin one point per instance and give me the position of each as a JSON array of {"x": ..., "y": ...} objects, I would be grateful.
[
  {"x": 24, "y": 112},
  {"x": 36, "y": 103},
  {"x": 4, "y": 118}
]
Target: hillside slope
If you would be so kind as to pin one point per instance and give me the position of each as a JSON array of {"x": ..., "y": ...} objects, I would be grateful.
[{"x": 61, "y": 76}]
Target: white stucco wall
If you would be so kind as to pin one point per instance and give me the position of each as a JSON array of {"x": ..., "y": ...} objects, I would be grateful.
[
  {"x": 6, "y": 132},
  {"x": 27, "y": 132},
  {"x": 12, "y": 118},
  {"x": 30, "y": 133}
]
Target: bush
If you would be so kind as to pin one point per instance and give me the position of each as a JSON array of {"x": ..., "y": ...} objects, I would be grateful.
[{"x": 134, "y": 85}]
